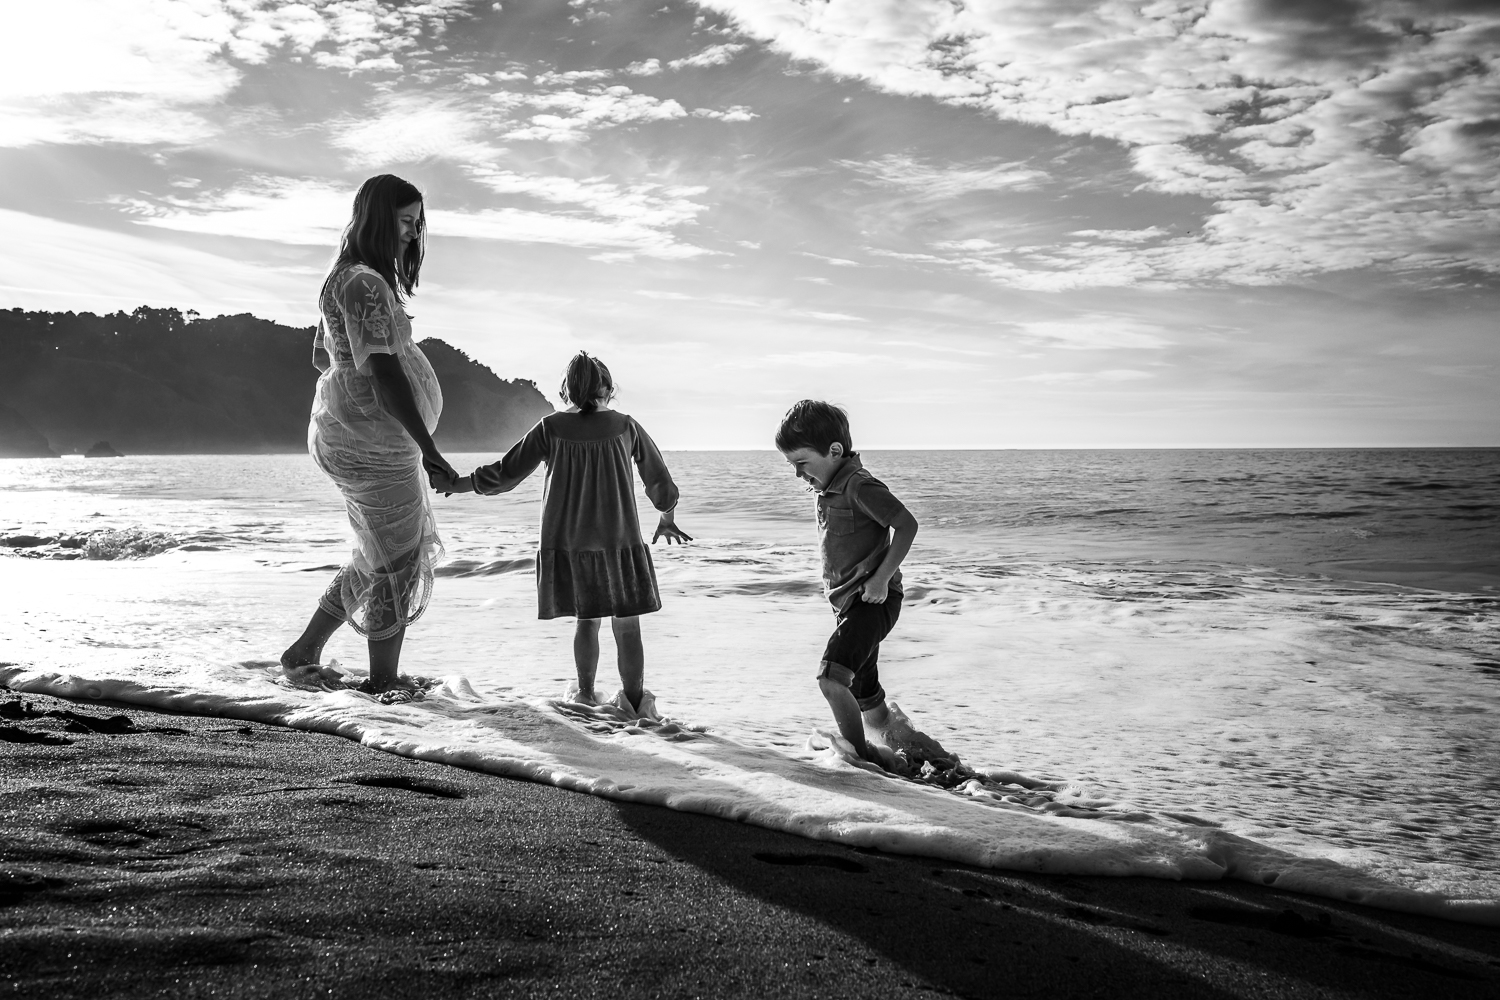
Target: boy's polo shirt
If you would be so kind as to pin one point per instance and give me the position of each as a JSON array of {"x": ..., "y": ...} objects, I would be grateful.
[{"x": 855, "y": 513}]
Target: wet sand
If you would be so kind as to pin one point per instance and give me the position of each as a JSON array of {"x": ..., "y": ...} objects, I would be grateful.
[{"x": 148, "y": 854}]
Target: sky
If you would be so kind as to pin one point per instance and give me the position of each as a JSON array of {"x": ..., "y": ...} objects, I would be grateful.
[{"x": 973, "y": 223}]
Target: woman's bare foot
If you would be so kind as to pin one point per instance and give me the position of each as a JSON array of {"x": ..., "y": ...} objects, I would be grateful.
[{"x": 308, "y": 672}]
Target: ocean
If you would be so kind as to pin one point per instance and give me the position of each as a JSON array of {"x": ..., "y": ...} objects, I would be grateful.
[{"x": 1278, "y": 665}]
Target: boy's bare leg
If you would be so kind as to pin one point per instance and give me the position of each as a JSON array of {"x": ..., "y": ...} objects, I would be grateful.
[
  {"x": 877, "y": 718},
  {"x": 308, "y": 648},
  {"x": 632, "y": 657},
  {"x": 586, "y": 654},
  {"x": 847, "y": 715},
  {"x": 385, "y": 661}
]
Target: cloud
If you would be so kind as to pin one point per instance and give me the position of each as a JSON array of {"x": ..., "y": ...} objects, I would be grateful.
[
  {"x": 352, "y": 35},
  {"x": 636, "y": 218},
  {"x": 151, "y": 72},
  {"x": 835, "y": 261},
  {"x": 1096, "y": 332},
  {"x": 118, "y": 77},
  {"x": 1082, "y": 378},
  {"x": 411, "y": 127},
  {"x": 47, "y": 264},
  {"x": 657, "y": 206},
  {"x": 942, "y": 182},
  {"x": 735, "y": 113},
  {"x": 570, "y": 115},
  {"x": 625, "y": 222},
  {"x": 1058, "y": 268},
  {"x": 1121, "y": 235},
  {"x": 554, "y": 79},
  {"x": 829, "y": 360},
  {"x": 281, "y": 209},
  {"x": 714, "y": 55},
  {"x": 619, "y": 241},
  {"x": 1327, "y": 136}
]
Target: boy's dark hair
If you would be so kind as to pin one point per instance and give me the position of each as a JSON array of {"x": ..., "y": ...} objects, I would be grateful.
[
  {"x": 812, "y": 423},
  {"x": 586, "y": 383}
]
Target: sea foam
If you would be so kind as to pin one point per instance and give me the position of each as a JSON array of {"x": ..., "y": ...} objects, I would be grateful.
[{"x": 816, "y": 792}]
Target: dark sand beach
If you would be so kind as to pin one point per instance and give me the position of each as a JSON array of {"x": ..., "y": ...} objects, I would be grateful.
[{"x": 149, "y": 854}]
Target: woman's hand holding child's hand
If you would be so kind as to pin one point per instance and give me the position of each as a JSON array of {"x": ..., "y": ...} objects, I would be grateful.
[
  {"x": 667, "y": 528},
  {"x": 449, "y": 485},
  {"x": 437, "y": 466}
]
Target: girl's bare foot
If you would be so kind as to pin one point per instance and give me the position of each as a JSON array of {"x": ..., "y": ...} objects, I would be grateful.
[{"x": 403, "y": 689}]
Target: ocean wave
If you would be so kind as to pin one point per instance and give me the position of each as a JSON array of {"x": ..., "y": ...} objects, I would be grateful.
[
  {"x": 782, "y": 587},
  {"x": 492, "y": 567},
  {"x": 104, "y": 544}
]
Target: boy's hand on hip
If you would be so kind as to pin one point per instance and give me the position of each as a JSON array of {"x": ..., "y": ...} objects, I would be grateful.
[{"x": 875, "y": 590}]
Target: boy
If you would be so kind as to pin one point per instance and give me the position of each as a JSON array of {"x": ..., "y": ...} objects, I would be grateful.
[{"x": 861, "y": 565}]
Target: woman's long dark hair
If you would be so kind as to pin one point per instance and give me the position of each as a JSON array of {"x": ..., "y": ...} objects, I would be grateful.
[{"x": 372, "y": 237}]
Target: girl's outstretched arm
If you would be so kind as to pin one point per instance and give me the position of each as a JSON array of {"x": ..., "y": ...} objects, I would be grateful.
[
  {"x": 660, "y": 488},
  {"x": 653, "y": 469},
  {"x": 521, "y": 461}
]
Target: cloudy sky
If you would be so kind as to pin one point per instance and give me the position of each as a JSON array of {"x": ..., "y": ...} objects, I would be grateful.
[{"x": 976, "y": 223}]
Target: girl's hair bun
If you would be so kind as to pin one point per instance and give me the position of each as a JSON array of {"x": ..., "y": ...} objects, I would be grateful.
[{"x": 586, "y": 383}]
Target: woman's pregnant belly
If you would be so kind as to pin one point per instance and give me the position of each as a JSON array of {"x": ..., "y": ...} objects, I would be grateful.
[{"x": 424, "y": 385}]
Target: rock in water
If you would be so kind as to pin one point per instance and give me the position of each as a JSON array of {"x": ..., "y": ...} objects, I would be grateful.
[
  {"x": 102, "y": 449},
  {"x": 18, "y": 439}
]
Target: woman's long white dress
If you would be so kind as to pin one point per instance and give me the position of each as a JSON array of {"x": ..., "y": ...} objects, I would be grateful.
[{"x": 356, "y": 441}]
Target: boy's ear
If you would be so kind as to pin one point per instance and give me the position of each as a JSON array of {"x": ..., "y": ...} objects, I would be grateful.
[{"x": 836, "y": 450}]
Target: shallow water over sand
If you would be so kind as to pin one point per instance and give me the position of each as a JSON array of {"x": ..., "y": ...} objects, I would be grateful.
[{"x": 1181, "y": 652}]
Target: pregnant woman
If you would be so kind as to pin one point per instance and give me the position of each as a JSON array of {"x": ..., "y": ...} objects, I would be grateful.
[{"x": 376, "y": 407}]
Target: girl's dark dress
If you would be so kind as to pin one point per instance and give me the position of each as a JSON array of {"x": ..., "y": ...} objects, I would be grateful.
[{"x": 590, "y": 560}]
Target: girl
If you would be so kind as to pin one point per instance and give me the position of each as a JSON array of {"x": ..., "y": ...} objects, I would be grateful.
[
  {"x": 590, "y": 559},
  {"x": 376, "y": 406}
]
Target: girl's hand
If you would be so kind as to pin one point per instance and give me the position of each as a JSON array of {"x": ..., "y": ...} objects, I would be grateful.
[{"x": 667, "y": 528}]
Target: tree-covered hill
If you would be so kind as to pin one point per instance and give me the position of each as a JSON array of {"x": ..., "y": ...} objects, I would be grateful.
[{"x": 156, "y": 381}]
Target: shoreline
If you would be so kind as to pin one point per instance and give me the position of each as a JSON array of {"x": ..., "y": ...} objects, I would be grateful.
[{"x": 153, "y": 851}]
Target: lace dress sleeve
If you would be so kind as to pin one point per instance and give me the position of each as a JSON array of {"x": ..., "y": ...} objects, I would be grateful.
[{"x": 369, "y": 317}]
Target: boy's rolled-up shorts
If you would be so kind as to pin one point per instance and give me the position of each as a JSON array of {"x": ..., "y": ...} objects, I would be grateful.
[{"x": 853, "y": 651}]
